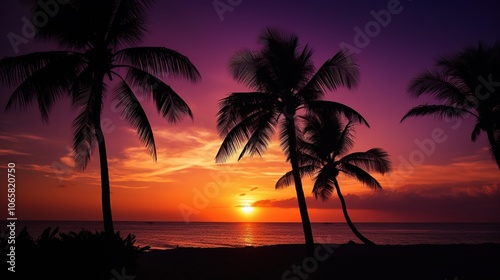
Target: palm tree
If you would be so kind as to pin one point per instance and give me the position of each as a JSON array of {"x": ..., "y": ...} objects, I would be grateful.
[
  {"x": 323, "y": 154},
  {"x": 466, "y": 84},
  {"x": 98, "y": 37},
  {"x": 284, "y": 83}
]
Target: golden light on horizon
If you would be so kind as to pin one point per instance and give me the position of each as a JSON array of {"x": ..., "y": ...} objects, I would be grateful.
[{"x": 247, "y": 209}]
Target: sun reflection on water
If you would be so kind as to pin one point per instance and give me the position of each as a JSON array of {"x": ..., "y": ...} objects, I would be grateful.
[{"x": 247, "y": 234}]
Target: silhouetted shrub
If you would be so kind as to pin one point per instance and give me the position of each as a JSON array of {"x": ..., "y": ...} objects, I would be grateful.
[{"x": 73, "y": 255}]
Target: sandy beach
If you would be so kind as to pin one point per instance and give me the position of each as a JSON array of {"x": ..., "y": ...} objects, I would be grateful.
[{"x": 350, "y": 261}]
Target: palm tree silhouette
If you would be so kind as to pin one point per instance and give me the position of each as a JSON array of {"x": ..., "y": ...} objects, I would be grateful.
[
  {"x": 99, "y": 36},
  {"x": 323, "y": 154},
  {"x": 467, "y": 85},
  {"x": 285, "y": 82}
]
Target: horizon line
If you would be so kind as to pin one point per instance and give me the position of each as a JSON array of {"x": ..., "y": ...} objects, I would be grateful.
[{"x": 259, "y": 222}]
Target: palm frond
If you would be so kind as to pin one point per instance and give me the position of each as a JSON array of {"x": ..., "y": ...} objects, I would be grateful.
[
  {"x": 129, "y": 22},
  {"x": 248, "y": 67},
  {"x": 261, "y": 137},
  {"x": 289, "y": 126},
  {"x": 375, "y": 159},
  {"x": 287, "y": 179},
  {"x": 345, "y": 142},
  {"x": 327, "y": 133},
  {"x": 475, "y": 132},
  {"x": 159, "y": 61},
  {"x": 15, "y": 70},
  {"x": 239, "y": 105},
  {"x": 279, "y": 66},
  {"x": 340, "y": 70},
  {"x": 308, "y": 153},
  {"x": 80, "y": 23},
  {"x": 323, "y": 182},
  {"x": 439, "y": 111},
  {"x": 168, "y": 103},
  {"x": 82, "y": 87},
  {"x": 276, "y": 40},
  {"x": 440, "y": 86},
  {"x": 494, "y": 144},
  {"x": 467, "y": 65},
  {"x": 72, "y": 26},
  {"x": 47, "y": 85},
  {"x": 305, "y": 66},
  {"x": 289, "y": 67},
  {"x": 314, "y": 127},
  {"x": 360, "y": 175},
  {"x": 334, "y": 108},
  {"x": 84, "y": 98},
  {"x": 85, "y": 132},
  {"x": 458, "y": 82},
  {"x": 83, "y": 138},
  {"x": 238, "y": 135},
  {"x": 131, "y": 109}
]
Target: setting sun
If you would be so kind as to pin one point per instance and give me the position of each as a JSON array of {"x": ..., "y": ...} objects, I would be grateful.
[
  {"x": 247, "y": 209},
  {"x": 226, "y": 139}
]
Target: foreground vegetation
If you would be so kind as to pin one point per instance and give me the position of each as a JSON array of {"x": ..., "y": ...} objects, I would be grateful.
[{"x": 74, "y": 255}]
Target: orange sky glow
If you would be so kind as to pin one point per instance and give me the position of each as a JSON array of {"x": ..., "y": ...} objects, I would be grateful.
[{"x": 439, "y": 175}]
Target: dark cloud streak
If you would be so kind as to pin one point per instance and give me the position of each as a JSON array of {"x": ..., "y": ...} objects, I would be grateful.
[{"x": 472, "y": 203}]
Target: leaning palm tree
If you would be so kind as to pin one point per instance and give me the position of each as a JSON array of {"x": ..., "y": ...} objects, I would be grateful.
[
  {"x": 284, "y": 83},
  {"x": 465, "y": 84},
  {"x": 98, "y": 37},
  {"x": 323, "y": 154}
]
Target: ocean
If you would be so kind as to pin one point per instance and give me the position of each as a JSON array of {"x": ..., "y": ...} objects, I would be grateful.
[{"x": 167, "y": 235}]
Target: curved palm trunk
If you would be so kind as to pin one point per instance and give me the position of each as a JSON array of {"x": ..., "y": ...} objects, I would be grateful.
[
  {"x": 304, "y": 215},
  {"x": 495, "y": 148},
  {"x": 97, "y": 92},
  {"x": 348, "y": 220},
  {"x": 105, "y": 187}
]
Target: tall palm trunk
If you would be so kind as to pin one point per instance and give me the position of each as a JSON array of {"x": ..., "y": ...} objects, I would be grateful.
[
  {"x": 494, "y": 147},
  {"x": 105, "y": 187},
  {"x": 348, "y": 220},
  {"x": 97, "y": 92},
  {"x": 306, "y": 223}
]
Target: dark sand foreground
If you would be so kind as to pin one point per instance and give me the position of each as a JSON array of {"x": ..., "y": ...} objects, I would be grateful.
[{"x": 350, "y": 261}]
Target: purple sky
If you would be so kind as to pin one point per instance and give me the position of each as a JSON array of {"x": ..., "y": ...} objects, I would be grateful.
[{"x": 418, "y": 32}]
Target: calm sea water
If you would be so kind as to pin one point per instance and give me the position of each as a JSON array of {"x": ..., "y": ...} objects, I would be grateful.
[{"x": 165, "y": 235}]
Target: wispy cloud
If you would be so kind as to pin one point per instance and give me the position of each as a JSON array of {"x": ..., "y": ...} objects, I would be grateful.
[
  {"x": 5, "y": 152},
  {"x": 250, "y": 190},
  {"x": 184, "y": 150},
  {"x": 19, "y": 136},
  {"x": 7, "y": 138},
  {"x": 31, "y": 137}
]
